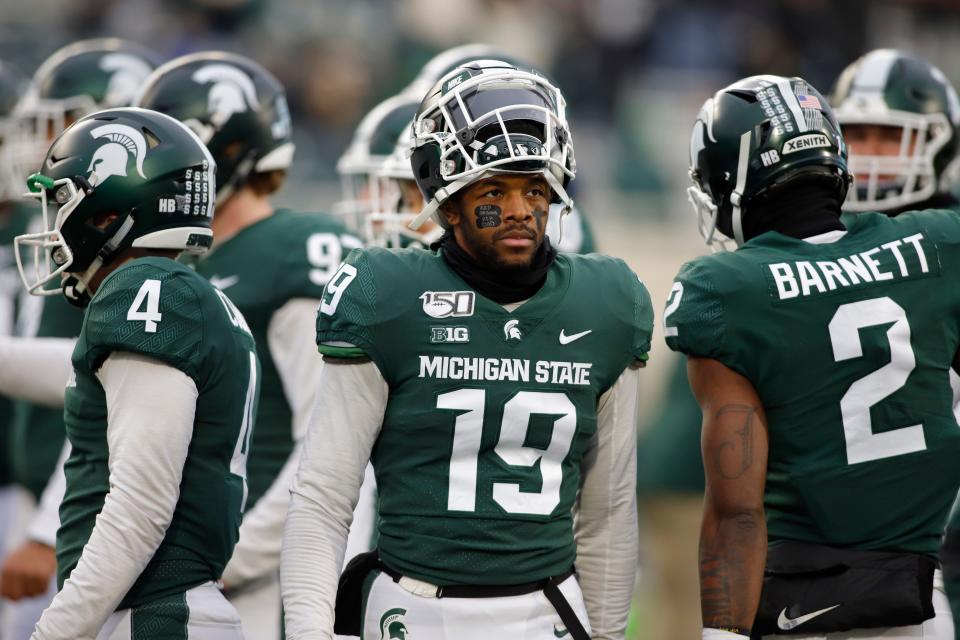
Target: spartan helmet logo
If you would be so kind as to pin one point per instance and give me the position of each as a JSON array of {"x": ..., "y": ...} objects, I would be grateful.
[
  {"x": 511, "y": 331},
  {"x": 110, "y": 159},
  {"x": 393, "y": 626},
  {"x": 232, "y": 92},
  {"x": 127, "y": 74}
]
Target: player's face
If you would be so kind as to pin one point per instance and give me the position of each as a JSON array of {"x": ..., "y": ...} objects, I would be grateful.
[
  {"x": 410, "y": 197},
  {"x": 873, "y": 140},
  {"x": 501, "y": 221}
]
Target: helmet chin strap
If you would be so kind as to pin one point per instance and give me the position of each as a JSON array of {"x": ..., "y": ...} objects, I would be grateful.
[
  {"x": 736, "y": 197},
  {"x": 76, "y": 286}
]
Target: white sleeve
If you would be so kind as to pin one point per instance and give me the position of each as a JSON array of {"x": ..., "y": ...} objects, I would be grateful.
[
  {"x": 606, "y": 523},
  {"x": 299, "y": 364},
  {"x": 36, "y": 369},
  {"x": 46, "y": 520},
  {"x": 348, "y": 412},
  {"x": 150, "y": 414}
]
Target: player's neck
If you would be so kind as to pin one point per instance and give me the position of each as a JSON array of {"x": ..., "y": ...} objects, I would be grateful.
[
  {"x": 242, "y": 209},
  {"x": 798, "y": 213},
  {"x": 503, "y": 286}
]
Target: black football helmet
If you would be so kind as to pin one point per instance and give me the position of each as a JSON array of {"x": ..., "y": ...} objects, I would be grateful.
[
  {"x": 751, "y": 139},
  {"x": 236, "y": 107},
  {"x": 146, "y": 167}
]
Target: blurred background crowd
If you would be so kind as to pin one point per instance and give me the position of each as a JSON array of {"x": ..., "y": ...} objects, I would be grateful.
[{"x": 634, "y": 73}]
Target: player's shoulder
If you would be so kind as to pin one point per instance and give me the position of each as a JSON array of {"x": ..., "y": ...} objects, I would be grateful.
[
  {"x": 287, "y": 222},
  {"x": 606, "y": 275},
  {"x": 940, "y": 225},
  {"x": 604, "y": 282},
  {"x": 371, "y": 288},
  {"x": 306, "y": 249},
  {"x": 154, "y": 306}
]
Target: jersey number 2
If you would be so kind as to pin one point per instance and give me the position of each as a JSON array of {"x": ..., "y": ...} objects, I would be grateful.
[
  {"x": 467, "y": 434},
  {"x": 863, "y": 444}
]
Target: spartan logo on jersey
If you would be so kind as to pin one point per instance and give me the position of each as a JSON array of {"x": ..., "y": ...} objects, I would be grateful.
[
  {"x": 393, "y": 626},
  {"x": 232, "y": 92},
  {"x": 448, "y": 304},
  {"x": 128, "y": 73},
  {"x": 511, "y": 331},
  {"x": 111, "y": 159}
]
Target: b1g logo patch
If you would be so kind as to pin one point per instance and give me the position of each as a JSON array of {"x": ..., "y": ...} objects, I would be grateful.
[
  {"x": 443, "y": 335},
  {"x": 393, "y": 626},
  {"x": 448, "y": 304}
]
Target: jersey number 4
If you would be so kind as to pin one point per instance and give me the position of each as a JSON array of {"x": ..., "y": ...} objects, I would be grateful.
[
  {"x": 467, "y": 434},
  {"x": 863, "y": 444}
]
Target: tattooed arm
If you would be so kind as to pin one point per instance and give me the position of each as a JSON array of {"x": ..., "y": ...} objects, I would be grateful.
[{"x": 733, "y": 534}]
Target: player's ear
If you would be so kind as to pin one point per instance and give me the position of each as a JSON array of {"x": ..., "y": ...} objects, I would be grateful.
[{"x": 451, "y": 211}]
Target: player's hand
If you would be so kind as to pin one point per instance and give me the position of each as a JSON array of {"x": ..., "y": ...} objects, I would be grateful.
[{"x": 27, "y": 571}]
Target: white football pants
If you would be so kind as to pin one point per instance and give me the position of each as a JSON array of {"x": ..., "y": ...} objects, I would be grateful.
[
  {"x": 393, "y": 612},
  {"x": 202, "y": 613},
  {"x": 258, "y": 605},
  {"x": 940, "y": 627}
]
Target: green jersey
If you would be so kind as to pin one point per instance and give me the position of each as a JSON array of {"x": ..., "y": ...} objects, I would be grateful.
[
  {"x": 13, "y": 222},
  {"x": 159, "y": 308},
  {"x": 849, "y": 344},
  {"x": 490, "y": 411},
  {"x": 265, "y": 265}
]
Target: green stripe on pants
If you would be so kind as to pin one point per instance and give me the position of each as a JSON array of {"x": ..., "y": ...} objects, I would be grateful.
[{"x": 164, "y": 619}]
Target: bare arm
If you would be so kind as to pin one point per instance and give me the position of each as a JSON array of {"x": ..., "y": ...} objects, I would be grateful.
[{"x": 733, "y": 534}]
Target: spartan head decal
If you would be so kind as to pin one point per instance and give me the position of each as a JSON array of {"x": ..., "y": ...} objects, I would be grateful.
[
  {"x": 127, "y": 75},
  {"x": 232, "y": 91},
  {"x": 392, "y": 626},
  {"x": 111, "y": 159}
]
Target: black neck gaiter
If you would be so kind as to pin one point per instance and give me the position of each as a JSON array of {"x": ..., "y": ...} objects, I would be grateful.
[
  {"x": 503, "y": 286},
  {"x": 799, "y": 212}
]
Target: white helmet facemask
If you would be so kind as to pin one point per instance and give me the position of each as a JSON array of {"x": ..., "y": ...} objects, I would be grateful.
[
  {"x": 885, "y": 182},
  {"x": 464, "y": 161}
]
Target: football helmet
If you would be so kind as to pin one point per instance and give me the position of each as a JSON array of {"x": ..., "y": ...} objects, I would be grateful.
[
  {"x": 147, "y": 168},
  {"x": 388, "y": 226},
  {"x": 446, "y": 61},
  {"x": 78, "y": 79},
  {"x": 752, "y": 138},
  {"x": 359, "y": 167},
  {"x": 12, "y": 86},
  {"x": 236, "y": 107},
  {"x": 890, "y": 88},
  {"x": 486, "y": 118}
]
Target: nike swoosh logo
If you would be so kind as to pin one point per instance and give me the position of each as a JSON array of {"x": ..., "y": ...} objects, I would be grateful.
[
  {"x": 565, "y": 339},
  {"x": 559, "y": 631},
  {"x": 223, "y": 283},
  {"x": 786, "y": 623}
]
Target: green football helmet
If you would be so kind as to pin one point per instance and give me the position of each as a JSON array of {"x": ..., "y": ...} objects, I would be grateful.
[
  {"x": 12, "y": 86},
  {"x": 359, "y": 167},
  {"x": 889, "y": 88},
  {"x": 236, "y": 107},
  {"x": 487, "y": 118},
  {"x": 146, "y": 168},
  {"x": 750, "y": 140},
  {"x": 78, "y": 79}
]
